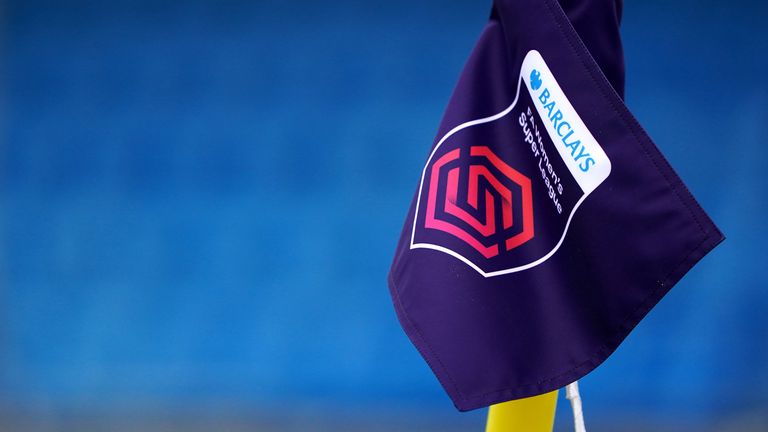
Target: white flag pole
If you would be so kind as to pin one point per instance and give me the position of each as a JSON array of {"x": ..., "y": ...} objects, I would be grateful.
[{"x": 572, "y": 393}]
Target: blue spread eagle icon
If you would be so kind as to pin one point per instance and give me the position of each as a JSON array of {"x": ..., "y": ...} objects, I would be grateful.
[{"x": 535, "y": 79}]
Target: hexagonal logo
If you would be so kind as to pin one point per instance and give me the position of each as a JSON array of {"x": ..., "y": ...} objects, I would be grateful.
[{"x": 491, "y": 184}]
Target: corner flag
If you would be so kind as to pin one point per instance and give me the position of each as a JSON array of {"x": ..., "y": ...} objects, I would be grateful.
[{"x": 546, "y": 223}]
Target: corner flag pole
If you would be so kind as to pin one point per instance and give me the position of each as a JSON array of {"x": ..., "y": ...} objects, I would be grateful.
[{"x": 533, "y": 414}]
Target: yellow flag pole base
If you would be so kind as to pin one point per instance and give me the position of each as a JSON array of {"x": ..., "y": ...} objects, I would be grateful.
[{"x": 534, "y": 414}]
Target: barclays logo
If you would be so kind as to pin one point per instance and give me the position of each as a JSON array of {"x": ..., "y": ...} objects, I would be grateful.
[{"x": 535, "y": 79}]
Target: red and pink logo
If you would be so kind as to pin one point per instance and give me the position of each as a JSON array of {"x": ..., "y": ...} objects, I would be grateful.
[
  {"x": 474, "y": 205},
  {"x": 487, "y": 178}
]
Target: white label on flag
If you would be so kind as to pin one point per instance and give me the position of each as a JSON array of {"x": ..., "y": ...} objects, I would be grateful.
[{"x": 581, "y": 153}]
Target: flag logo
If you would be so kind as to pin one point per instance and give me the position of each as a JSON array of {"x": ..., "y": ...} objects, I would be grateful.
[
  {"x": 491, "y": 184},
  {"x": 499, "y": 193}
]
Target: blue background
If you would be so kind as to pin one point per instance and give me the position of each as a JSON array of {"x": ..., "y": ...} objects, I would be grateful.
[{"x": 200, "y": 201}]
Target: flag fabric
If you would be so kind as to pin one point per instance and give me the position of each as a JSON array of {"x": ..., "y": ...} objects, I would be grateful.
[{"x": 546, "y": 223}]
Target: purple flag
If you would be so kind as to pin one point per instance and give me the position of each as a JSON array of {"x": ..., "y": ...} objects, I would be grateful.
[{"x": 546, "y": 223}]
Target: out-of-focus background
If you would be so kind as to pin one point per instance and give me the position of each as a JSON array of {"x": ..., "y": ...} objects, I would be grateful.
[{"x": 199, "y": 202}]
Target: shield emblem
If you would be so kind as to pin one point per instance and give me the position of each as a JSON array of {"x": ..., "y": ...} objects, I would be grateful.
[{"x": 499, "y": 192}]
